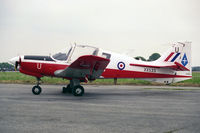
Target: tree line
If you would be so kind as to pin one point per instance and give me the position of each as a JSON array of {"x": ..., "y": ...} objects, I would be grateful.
[
  {"x": 6, "y": 67},
  {"x": 152, "y": 57}
]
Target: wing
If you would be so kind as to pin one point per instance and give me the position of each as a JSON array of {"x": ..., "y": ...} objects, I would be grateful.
[
  {"x": 87, "y": 66},
  {"x": 176, "y": 66}
]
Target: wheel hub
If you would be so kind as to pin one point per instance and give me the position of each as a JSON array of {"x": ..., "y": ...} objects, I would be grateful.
[
  {"x": 36, "y": 90},
  {"x": 78, "y": 91}
]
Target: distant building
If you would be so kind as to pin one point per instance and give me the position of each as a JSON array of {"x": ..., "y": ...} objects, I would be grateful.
[{"x": 196, "y": 68}]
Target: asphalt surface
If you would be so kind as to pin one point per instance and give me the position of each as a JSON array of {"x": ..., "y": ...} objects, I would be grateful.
[{"x": 103, "y": 109}]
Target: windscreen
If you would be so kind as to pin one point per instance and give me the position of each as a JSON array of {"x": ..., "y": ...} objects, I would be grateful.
[
  {"x": 81, "y": 50},
  {"x": 62, "y": 56}
]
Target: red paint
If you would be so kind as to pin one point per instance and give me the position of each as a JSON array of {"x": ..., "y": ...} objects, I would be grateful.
[
  {"x": 142, "y": 65},
  {"x": 181, "y": 67},
  {"x": 114, "y": 73},
  {"x": 47, "y": 69},
  {"x": 176, "y": 66},
  {"x": 169, "y": 56},
  {"x": 38, "y": 75},
  {"x": 89, "y": 62}
]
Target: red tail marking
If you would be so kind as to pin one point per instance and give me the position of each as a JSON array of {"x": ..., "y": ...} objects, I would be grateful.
[
  {"x": 169, "y": 56},
  {"x": 181, "y": 67}
]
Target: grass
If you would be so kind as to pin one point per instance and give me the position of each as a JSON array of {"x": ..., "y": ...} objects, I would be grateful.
[
  {"x": 16, "y": 77},
  {"x": 121, "y": 81},
  {"x": 195, "y": 81}
]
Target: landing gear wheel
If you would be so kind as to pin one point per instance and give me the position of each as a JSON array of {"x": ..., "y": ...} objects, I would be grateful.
[
  {"x": 78, "y": 90},
  {"x": 67, "y": 89},
  {"x": 36, "y": 90}
]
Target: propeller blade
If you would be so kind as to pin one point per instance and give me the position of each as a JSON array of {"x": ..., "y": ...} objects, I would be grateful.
[{"x": 16, "y": 65}]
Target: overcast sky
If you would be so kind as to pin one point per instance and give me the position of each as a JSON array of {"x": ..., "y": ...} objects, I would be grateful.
[{"x": 136, "y": 27}]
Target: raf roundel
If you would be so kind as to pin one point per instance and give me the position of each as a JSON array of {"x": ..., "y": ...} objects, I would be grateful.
[{"x": 121, "y": 65}]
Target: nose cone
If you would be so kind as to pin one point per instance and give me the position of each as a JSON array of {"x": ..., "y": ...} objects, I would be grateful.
[{"x": 13, "y": 60}]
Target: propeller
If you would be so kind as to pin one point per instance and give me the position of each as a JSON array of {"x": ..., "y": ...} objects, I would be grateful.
[{"x": 17, "y": 63}]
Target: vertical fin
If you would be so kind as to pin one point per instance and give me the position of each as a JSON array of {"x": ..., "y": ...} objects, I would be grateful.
[{"x": 180, "y": 52}]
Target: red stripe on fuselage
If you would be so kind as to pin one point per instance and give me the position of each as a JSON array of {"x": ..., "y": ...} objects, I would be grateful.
[{"x": 114, "y": 73}]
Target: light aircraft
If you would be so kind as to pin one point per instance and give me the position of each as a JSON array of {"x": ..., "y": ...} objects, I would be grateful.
[{"x": 82, "y": 63}]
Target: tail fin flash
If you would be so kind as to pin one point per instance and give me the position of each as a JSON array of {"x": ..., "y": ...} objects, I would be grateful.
[{"x": 180, "y": 54}]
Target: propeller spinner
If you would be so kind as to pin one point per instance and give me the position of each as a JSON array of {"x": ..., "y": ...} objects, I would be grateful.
[{"x": 15, "y": 61}]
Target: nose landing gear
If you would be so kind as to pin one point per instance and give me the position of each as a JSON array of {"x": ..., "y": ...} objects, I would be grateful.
[{"x": 37, "y": 89}]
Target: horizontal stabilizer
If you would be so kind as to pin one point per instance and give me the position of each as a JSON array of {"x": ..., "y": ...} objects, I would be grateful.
[
  {"x": 176, "y": 66},
  {"x": 180, "y": 67}
]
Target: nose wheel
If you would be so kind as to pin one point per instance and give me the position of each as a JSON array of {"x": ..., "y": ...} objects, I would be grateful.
[{"x": 37, "y": 89}]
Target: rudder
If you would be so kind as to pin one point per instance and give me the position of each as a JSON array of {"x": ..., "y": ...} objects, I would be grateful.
[{"x": 180, "y": 53}]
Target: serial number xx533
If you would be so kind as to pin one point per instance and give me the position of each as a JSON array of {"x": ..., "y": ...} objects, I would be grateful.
[{"x": 149, "y": 69}]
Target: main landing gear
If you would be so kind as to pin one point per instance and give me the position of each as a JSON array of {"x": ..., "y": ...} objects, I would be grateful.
[
  {"x": 74, "y": 87},
  {"x": 37, "y": 89}
]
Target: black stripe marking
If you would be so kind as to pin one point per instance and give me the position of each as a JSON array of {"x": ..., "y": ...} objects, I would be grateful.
[{"x": 42, "y": 58}]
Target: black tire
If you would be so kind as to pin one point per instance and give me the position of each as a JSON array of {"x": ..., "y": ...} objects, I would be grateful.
[
  {"x": 36, "y": 90},
  {"x": 67, "y": 89},
  {"x": 64, "y": 90},
  {"x": 78, "y": 90}
]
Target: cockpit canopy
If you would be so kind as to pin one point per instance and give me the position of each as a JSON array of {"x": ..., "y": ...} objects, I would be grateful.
[
  {"x": 60, "y": 56},
  {"x": 74, "y": 52}
]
